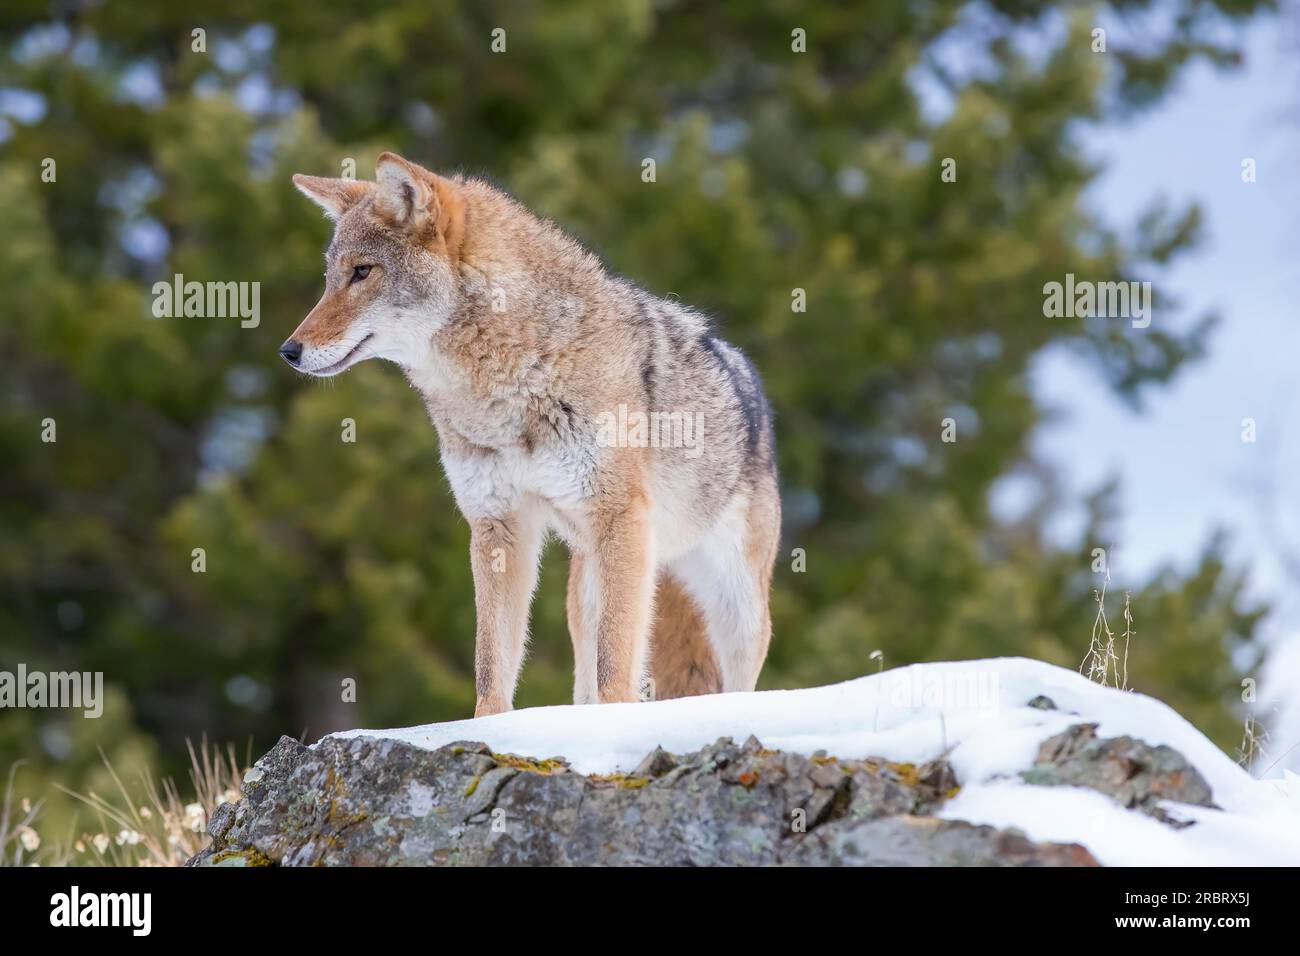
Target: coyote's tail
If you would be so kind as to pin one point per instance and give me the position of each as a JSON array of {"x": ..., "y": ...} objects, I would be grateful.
[{"x": 681, "y": 660}]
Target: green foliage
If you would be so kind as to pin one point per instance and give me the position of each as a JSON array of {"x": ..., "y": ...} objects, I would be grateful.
[{"x": 776, "y": 170}]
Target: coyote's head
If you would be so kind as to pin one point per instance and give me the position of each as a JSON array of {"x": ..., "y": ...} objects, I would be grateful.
[{"x": 390, "y": 272}]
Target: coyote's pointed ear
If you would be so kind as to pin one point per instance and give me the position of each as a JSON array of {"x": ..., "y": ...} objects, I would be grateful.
[
  {"x": 420, "y": 201},
  {"x": 335, "y": 196},
  {"x": 406, "y": 194}
]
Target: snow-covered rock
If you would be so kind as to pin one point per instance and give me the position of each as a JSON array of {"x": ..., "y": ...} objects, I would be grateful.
[{"x": 988, "y": 762}]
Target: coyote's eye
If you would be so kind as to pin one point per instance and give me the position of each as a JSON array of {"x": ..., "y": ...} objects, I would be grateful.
[{"x": 360, "y": 272}]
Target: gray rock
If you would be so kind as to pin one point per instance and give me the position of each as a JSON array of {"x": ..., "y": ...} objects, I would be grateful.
[
  {"x": 656, "y": 763},
  {"x": 370, "y": 801},
  {"x": 1136, "y": 774},
  {"x": 908, "y": 840}
]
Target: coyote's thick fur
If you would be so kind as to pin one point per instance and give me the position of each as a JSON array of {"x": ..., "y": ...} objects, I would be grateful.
[{"x": 565, "y": 399}]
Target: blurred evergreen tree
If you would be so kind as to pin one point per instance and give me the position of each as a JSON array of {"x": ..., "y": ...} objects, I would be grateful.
[{"x": 776, "y": 170}]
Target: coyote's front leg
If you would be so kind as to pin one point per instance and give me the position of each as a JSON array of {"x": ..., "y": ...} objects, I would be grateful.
[
  {"x": 623, "y": 565},
  {"x": 503, "y": 556}
]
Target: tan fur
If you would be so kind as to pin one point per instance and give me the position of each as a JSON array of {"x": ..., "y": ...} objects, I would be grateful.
[
  {"x": 525, "y": 350},
  {"x": 682, "y": 664}
]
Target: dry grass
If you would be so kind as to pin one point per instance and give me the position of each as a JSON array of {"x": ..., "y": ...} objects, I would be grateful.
[
  {"x": 1103, "y": 662},
  {"x": 159, "y": 829},
  {"x": 19, "y": 840},
  {"x": 1252, "y": 744}
]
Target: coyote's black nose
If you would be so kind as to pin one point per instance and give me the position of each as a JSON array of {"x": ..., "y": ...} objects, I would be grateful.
[{"x": 292, "y": 352}]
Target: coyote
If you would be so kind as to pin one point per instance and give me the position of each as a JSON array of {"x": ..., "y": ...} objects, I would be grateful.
[{"x": 566, "y": 400}]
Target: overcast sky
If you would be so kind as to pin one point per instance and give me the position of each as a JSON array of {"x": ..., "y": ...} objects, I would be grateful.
[{"x": 1183, "y": 465}]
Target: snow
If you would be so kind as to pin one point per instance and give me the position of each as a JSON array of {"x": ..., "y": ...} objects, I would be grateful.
[
  {"x": 1280, "y": 706},
  {"x": 977, "y": 712}
]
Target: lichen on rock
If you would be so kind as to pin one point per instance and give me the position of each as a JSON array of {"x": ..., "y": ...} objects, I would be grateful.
[
  {"x": 1134, "y": 773},
  {"x": 375, "y": 801}
]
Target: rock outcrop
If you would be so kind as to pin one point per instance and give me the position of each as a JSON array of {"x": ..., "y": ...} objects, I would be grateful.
[
  {"x": 370, "y": 801},
  {"x": 1135, "y": 774},
  {"x": 374, "y": 801}
]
